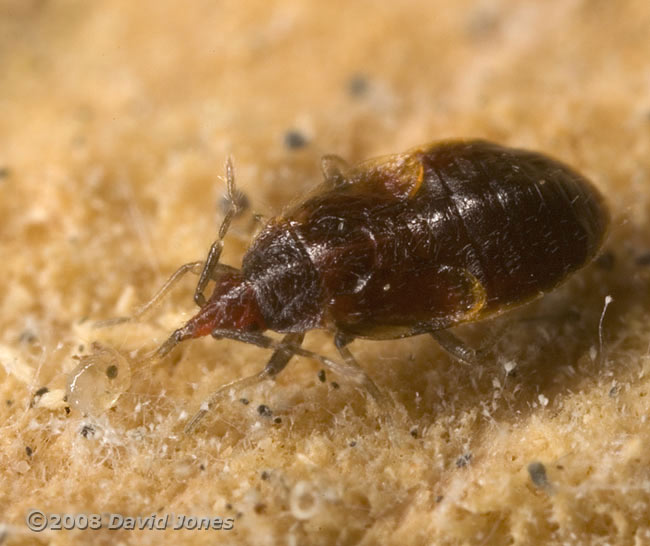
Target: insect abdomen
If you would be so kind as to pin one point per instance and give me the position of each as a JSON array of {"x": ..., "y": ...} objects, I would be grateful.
[
  {"x": 519, "y": 221},
  {"x": 481, "y": 228},
  {"x": 488, "y": 228}
]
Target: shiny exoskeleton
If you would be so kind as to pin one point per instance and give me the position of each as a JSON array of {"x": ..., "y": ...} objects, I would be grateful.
[{"x": 402, "y": 245}]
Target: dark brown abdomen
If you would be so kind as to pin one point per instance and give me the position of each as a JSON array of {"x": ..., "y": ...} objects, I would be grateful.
[
  {"x": 519, "y": 221},
  {"x": 489, "y": 228},
  {"x": 485, "y": 228}
]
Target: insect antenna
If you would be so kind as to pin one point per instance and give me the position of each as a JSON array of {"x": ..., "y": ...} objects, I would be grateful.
[{"x": 217, "y": 246}]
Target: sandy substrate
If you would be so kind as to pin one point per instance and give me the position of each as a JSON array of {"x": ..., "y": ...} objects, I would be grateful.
[{"x": 115, "y": 122}]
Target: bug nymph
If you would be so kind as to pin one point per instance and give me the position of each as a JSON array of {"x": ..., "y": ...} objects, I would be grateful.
[{"x": 402, "y": 245}]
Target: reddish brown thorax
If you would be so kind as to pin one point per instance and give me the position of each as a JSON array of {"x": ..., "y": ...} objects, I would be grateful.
[{"x": 232, "y": 306}]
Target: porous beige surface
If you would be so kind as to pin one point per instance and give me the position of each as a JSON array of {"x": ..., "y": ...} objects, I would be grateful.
[{"x": 115, "y": 122}]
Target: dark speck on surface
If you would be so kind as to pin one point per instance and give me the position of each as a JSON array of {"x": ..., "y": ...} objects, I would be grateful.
[
  {"x": 463, "y": 460},
  {"x": 537, "y": 472},
  {"x": 28, "y": 336},
  {"x": 294, "y": 140},
  {"x": 358, "y": 85},
  {"x": 37, "y": 395},
  {"x": 87, "y": 430}
]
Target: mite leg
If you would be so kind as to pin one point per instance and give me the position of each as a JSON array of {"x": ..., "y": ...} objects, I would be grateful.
[
  {"x": 354, "y": 370},
  {"x": 215, "y": 250},
  {"x": 278, "y": 361}
]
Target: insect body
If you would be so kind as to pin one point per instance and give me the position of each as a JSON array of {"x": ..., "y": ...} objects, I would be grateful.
[{"x": 403, "y": 245}]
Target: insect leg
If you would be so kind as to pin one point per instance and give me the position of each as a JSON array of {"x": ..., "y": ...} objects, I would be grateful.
[
  {"x": 192, "y": 267},
  {"x": 456, "y": 347},
  {"x": 350, "y": 369},
  {"x": 354, "y": 370},
  {"x": 278, "y": 361},
  {"x": 215, "y": 250}
]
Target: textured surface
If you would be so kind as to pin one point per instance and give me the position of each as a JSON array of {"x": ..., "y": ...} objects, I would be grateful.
[{"x": 115, "y": 122}]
